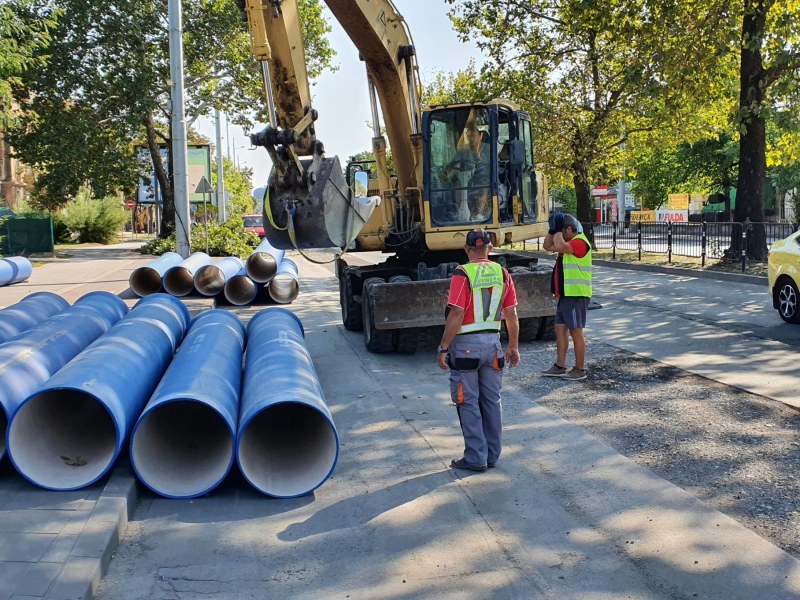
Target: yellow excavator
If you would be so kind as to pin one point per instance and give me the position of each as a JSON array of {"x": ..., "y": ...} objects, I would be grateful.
[{"x": 455, "y": 167}]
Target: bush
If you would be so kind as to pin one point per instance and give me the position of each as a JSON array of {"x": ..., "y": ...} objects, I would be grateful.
[
  {"x": 228, "y": 239},
  {"x": 92, "y": 220},
  {"x": 61, "y": 232}
]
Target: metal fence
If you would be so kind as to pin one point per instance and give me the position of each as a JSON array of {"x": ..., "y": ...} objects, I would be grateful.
[{"x": 697, "y": 240}]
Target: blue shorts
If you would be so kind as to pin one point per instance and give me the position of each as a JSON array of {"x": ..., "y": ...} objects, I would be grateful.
[{"x": 571, "y": 311}]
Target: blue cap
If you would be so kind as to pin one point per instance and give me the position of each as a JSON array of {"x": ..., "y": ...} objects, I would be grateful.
[{"x": 478, "y": 238}]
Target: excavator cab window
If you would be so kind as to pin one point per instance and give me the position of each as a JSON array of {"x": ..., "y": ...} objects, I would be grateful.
[{"x": 462, "y": 163}]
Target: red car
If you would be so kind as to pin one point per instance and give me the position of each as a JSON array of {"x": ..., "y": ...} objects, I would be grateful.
[{"x": 254, "y": 224}]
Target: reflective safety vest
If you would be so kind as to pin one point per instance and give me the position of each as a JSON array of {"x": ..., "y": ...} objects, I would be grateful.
[
  {"x": 578, "y": 272},
  {"x": 486, "y": 283}
]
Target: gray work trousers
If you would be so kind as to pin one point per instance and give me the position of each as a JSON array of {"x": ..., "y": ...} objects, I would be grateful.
[{"x": 476, "y": 376}]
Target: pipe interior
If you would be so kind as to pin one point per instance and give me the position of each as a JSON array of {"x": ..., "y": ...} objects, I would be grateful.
[
  {"x": 209, "y": 280},
  {"x": 145, "y": 281},
  {"x": 283, "y": 289},
  {"x": 178, "y": 281},
  {"x": 261, "y": 266},
  {"x": 182, "y": 448},
  {"x": 240, "y": 291},
  {"x": 62, "y": 439},
  {"x": 288, "y": 449}
]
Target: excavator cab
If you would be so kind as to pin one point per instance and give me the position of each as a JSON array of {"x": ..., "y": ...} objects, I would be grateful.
[{"x": 478, "y": 168}]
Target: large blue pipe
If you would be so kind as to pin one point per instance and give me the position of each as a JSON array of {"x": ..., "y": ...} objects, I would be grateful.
[
  {"x": 285, "y": 285},
  {"x": 209, "y": 280},
  {"x": 263, "y": 263},
  {"x": 182, "y": 444},
  {"x": 69, "y": 433},
  {"x": 27, "y": 361},
  {"x": 146, "y": 280},
  {"x": 240, "y": 290},
  {"x": 14, "y": 269},
  {"x": 29, "y": 312},
  {"x": 287, "y": 444},
  {"x": 179, "y": 280}
]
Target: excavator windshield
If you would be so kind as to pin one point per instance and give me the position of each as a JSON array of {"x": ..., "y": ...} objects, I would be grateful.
[{"x": 462, "y": 166}]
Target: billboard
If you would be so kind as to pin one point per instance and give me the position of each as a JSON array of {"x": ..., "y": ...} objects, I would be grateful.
[{"x": 198, "y": 159}]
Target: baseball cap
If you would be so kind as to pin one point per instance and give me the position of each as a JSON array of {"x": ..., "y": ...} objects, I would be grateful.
[{"x": 478, "y": 238}]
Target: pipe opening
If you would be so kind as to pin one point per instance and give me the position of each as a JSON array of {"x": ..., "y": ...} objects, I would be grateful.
[
  {"x": 240, "y": 290},
  {"x": 209, "y": 280},
  {"x": 182, "y": 449},
  {"x": 261, "y": 266},
  {"x": 62, "y": 439},
  {"x": 145, "y": 281},
  {"x": 288, "y": 450},
  {"x": 283, "y": 288},
  {"x": 178, "y": 281}
]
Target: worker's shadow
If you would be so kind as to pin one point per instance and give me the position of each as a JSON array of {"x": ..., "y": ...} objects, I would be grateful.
[{"x": 358, "y": 510}]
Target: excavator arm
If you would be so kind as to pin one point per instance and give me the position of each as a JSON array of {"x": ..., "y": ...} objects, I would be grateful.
[{"x": 308, "y": 203}]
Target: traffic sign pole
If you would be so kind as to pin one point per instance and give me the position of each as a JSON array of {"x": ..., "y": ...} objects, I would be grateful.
[{"x": 204, "y": 187}]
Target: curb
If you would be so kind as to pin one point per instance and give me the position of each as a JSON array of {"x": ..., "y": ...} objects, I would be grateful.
[
  {"x": 699, "y": 273},
  {"x": 88, "y": 559}
]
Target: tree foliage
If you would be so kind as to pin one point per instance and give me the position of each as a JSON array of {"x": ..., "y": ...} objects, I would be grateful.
[{"x": 105, "y": 87}]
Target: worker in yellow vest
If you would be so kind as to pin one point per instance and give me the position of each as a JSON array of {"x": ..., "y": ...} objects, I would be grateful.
[
  {"x": 572, "y": 284},
  {"x": 481, "y": 295}
]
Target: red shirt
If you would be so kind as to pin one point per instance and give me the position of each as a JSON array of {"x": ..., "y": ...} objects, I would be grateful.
[
  {"x": 461, "y": 294},
  {"x": 579, "y": 249}
]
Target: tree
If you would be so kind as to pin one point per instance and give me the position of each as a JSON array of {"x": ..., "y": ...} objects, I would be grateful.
[
  {"x": 21, "y": 39},
  {"x": 237, "y": 186},
  {"x": 770, "y": 60},
  {"x": 594, "y": 74},
  {"x": 106, "y": 86}
]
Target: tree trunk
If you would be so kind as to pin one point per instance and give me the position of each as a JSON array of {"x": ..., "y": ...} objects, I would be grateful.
[
  {"x": 752, "y": 145},
  {"x": 583, "y": 193},
  {"x": 164, "y": 182}
]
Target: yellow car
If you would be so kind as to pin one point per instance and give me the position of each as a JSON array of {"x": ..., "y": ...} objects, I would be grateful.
[{"x": 784, "y": 277}]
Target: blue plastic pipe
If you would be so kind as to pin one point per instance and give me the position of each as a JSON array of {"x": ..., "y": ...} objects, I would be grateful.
[
  {"x": 27, "y": 361},
  {"x": 29, "y": 312},
  {"x": 263, "y": 263},
  {"x": 210, "y": 280},
  {"x": 240, "y": 290},
  {"x": 287, "y": 444},
  {"x": 146, "y": 280},
  {"x": 68, "y": 434},
  {"x": 285, "y": 285},
  {"x": 182, "y": 444},
  {"x": 179, "y": 280},
  {"x": 14, "y": 269}
]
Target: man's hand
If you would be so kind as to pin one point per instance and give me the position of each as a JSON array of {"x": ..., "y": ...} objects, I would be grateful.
[
  {"x": 441, "y": 360},
  {"x": 551, "y": 222},
  {"x": 513, "y": 357}
]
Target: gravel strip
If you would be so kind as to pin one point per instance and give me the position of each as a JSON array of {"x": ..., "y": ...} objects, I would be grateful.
[{"x": 737, "y": 451}]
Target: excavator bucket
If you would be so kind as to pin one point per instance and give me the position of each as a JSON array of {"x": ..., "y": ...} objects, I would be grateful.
[{"x": 325, "y": 216}]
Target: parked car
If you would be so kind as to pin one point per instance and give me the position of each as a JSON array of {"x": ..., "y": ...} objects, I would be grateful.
[
  {"x": 784, "y": 277},
  {"x": 254, "y": 224}
]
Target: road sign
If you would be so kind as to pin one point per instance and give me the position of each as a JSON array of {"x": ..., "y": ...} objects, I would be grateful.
[
  {"x": 203, "y": 187},
  {"x": 130, "y": 204}
]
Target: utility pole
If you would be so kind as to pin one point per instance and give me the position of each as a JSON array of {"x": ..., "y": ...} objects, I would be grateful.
[
  {"x": 180, "y": 167},
  {"x": 222, "y": 215}
]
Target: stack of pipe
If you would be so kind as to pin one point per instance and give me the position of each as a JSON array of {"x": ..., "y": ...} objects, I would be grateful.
[
  {"x": 287, "y": 444},
  {"x": 28, "y": 360},
  {"x": 267, "y": 267},
  {"x": 68, "y": 433},
  {"x": 28, "y": 312},
  {"x": 146, "y": 280},
  {"x": 14, "y": 269},
  {"x": 182, "y": 444}
]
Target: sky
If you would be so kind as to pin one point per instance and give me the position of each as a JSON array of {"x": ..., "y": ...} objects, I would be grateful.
[{"x": 341, "y": 97}]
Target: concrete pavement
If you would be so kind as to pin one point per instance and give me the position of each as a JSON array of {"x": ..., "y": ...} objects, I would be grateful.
[{"x": 565, "y": 517}]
